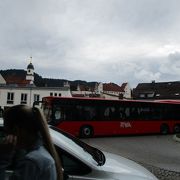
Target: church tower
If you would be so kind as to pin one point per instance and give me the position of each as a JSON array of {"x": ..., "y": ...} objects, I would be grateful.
[{"x": 30, "y": 72}]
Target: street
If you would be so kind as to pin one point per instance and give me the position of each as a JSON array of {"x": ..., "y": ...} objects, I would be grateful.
[{"x": 156, "y": 152}]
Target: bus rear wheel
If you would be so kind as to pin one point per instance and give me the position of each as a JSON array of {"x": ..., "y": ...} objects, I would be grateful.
[
  {"x": 177, "y": 128},
  {"x": 164, "y": 129},
  {"x": 86, "y": 132}
]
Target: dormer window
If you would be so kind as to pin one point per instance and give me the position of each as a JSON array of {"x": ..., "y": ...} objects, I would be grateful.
[
  {"x": 142, "y": 95},
  {"x": 150, "y": 95}
]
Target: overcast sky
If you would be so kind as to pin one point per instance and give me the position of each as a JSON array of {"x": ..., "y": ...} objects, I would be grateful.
[{"x": 116, "y": 41}]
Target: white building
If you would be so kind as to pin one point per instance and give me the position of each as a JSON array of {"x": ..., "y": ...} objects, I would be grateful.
[
  {"x": 12, "y": 93},
  {"x": 114, "y": 91},
  {"x": 127, "y": 91},
  {"x": 2, "y": 80}
]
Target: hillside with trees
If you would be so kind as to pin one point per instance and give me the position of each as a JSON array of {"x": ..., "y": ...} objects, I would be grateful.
[{"x": 39, "y": 81}]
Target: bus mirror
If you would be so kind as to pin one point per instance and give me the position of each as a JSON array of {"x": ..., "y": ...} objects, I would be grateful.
[{"x": 36, "y": 103}]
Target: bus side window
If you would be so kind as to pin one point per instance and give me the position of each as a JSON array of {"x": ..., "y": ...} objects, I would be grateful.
[
  {"x": 85, "y": 113},
  {"x": 157, "y": 113},
  {"x": 90, "y": 113},
  {"x": 78, "y": 112},
  {"x": 64, "y": 113},
  {"x": 69, "y": 113},
  {"x": 107, "y": 113},
  {"x": 57, "y": 114},
  {"x": 134, "y": 114},
  {"x": 175, "y": 112},
  {"x": 121, "y": 114},
  {"x": 168, "y": 112},
  {"x": 110, "y": 113},
  {"x": 127, "y": 112},
  {"x": 145, "y": 113}
]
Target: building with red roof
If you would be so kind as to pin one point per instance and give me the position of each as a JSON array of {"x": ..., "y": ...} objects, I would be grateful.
[
  {"x": 104, "y": 90},
  {"x": 18, "y": 87}
]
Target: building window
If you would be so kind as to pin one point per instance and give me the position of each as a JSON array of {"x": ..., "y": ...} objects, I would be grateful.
[
  {"x": 150, "y": 95},
  {"x": 54, "y": 94},
  {"x": 23, "y": 98},
  {"x": 142, "y": 95},
  {"x": 36, "y": 97},
  {"x": 10, "y": 98}
]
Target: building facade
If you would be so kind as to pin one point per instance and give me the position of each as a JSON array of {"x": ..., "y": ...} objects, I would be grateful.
[
  {"x": 22, "y": 90},
  {"x": 12, "y": 95},
  {"x": 104, "y": 90},
  {"x": 157, "y": 91}
]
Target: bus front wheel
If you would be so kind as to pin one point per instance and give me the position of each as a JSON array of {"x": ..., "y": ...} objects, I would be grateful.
[
  {"x": 164, "y": 129},
  {"x": 86, "y": 132}
]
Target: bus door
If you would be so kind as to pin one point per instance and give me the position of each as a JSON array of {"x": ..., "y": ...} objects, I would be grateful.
[{"x": 47, "y": 110}]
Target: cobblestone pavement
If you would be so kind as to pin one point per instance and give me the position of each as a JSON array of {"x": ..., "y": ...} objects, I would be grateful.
[{"x": 162, "y": 174}]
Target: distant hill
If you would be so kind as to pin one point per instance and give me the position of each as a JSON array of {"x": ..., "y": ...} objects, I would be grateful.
[{"x": 39, "y": 81}]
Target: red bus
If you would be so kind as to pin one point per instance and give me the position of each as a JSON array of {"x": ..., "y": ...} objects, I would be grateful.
[{"x": 88, "y": 117}]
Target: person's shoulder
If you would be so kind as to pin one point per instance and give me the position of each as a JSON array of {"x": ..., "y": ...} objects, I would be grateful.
[{"x": 41, "y": 157}]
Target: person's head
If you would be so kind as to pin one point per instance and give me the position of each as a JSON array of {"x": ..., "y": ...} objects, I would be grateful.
[
  {"x": 22, "y": 121},
  {"x": 28, "y": 124}
]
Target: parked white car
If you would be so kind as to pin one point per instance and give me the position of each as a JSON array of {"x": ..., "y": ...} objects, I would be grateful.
[{"x": 83, "y": 162}]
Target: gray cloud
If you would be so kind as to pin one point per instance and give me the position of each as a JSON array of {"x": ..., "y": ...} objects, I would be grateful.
[{"x": 102, "y": 40}]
